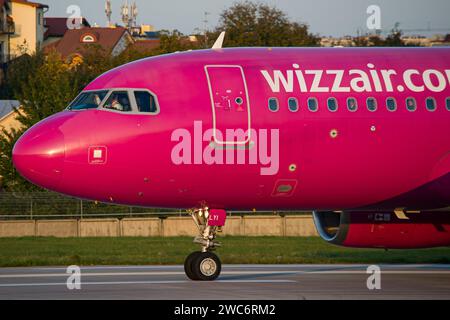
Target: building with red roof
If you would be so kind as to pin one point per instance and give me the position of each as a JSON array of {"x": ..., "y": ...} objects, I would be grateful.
[
  {"x": 56, "y": 27},
  {"x": 76, "y": 41}
]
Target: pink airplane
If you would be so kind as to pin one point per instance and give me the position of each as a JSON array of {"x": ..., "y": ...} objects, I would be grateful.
[{"x": 360, "y": 136}]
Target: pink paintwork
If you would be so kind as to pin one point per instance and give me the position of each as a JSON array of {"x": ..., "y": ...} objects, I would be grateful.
[
  {"x": 338, "y": 160},
  {"x": 217, "y": 217}
]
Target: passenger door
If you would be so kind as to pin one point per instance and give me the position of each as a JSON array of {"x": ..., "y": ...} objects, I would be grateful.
[{"x": 229, "y": 101}]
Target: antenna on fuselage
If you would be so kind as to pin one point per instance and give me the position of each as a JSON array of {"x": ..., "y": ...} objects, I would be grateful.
[{"x": 219, "y": 42}]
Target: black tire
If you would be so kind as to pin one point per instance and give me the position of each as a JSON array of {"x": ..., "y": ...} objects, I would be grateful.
[
  {"x": 188, "y": 265},
  {"x": 206, "y": 266}
]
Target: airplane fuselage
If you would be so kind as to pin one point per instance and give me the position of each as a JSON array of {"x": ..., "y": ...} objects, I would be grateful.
[{"x": 263, "y": 128}]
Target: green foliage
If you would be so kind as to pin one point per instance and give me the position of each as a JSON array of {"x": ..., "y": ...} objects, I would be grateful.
[
  {"x": 95, "y": 61},
  {"x": 251, "y": 24},
  {"x": 40, "y": 251},
  {"x": 393, "y": 39},
  {"x": 47, "y": 91},
  {"x": 44, "y": 85},
  {"x": 173, "y": 41},
  {"x": 18, "y": 71},
  {"x": 10, "y": 179}
]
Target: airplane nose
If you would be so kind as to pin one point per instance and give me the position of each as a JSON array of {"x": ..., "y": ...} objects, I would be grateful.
[{"x": 39, "y": 155}]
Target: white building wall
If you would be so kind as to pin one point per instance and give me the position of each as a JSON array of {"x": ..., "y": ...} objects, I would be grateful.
[{"x": 123, "y": 43}]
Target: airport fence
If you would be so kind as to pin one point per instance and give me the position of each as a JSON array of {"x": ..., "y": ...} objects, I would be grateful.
[
  {"x": 36, "y": 205},
  {"x": 50, "y": 205}
]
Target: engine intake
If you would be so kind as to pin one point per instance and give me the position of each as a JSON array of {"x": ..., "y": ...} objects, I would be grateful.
[{"x": 384, "y": 229}]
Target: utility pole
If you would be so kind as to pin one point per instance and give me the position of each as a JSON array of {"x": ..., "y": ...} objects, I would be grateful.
[
  {"x": 125, "y": 14},
  {"x": 129, "y": 15},
  {"x": 133, "y": 15},
  {"x": 108, "y": 12},
  {"x": 205, "y": 27}
]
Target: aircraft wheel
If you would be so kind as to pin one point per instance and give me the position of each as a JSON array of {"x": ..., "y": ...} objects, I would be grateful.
[
  {"x": 188, "y": 265},
  {"x": 206, "y": 266}
]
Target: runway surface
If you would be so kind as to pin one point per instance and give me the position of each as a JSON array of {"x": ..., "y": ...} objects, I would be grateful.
[{"x": 256, "y": 282}]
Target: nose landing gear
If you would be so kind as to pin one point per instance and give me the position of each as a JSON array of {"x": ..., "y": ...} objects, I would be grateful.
[{"x": 204, "y": 265}]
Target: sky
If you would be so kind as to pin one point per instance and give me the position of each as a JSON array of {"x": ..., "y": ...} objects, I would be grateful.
[{"x": 325, "y": 17}]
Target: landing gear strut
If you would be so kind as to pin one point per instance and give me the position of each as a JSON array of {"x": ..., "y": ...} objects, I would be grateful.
[{"x": 205, "y": 265}]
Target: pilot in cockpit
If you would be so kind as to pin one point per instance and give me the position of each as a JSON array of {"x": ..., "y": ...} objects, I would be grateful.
[
  {"x": 115, "y": 103},
  {"x": 97, "y": 99},
  {"x": 118, "y": 101}
]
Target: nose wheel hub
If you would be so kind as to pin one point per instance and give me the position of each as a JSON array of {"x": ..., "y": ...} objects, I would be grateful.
[{"x": 208, "y": 267}]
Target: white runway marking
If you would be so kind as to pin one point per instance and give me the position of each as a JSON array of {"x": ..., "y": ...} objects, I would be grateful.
[
  {"x": 244, "y": 266},
  {"x": 155, "y": 273},
  {"x": 382, "y": 272},
  {"x": 139, "y": 282},
  {"x": 268, "y": 272}
]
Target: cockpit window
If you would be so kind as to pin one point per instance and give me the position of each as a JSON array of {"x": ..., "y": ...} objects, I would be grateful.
[
  {"x": 145, "y": 101},
  {"x": 88, "y": 100},
  {"x": 119, "y": 101}
]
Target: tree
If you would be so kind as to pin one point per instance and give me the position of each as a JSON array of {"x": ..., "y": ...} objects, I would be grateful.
[
  {"x": 251, "y": 24},
  {"x": 173, "y": 41},
  {"x": 360, "y": 42},
  {"x": 44, "y": 89},
  {"x": 18, "y": 71},
  {"x": 48, "y": 90},
  {"x": 375, "y": 41},
  {"x": 394, "y": 39},
  {"x": 10, "y": 179}
]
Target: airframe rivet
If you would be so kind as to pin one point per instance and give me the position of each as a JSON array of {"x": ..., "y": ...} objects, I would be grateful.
[
  {"x": 373, "y": 128},
  {"x": 292, "y": 167}
]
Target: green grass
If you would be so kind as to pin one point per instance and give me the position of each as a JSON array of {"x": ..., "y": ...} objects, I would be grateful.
[{"x": 115, "y": 251}]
